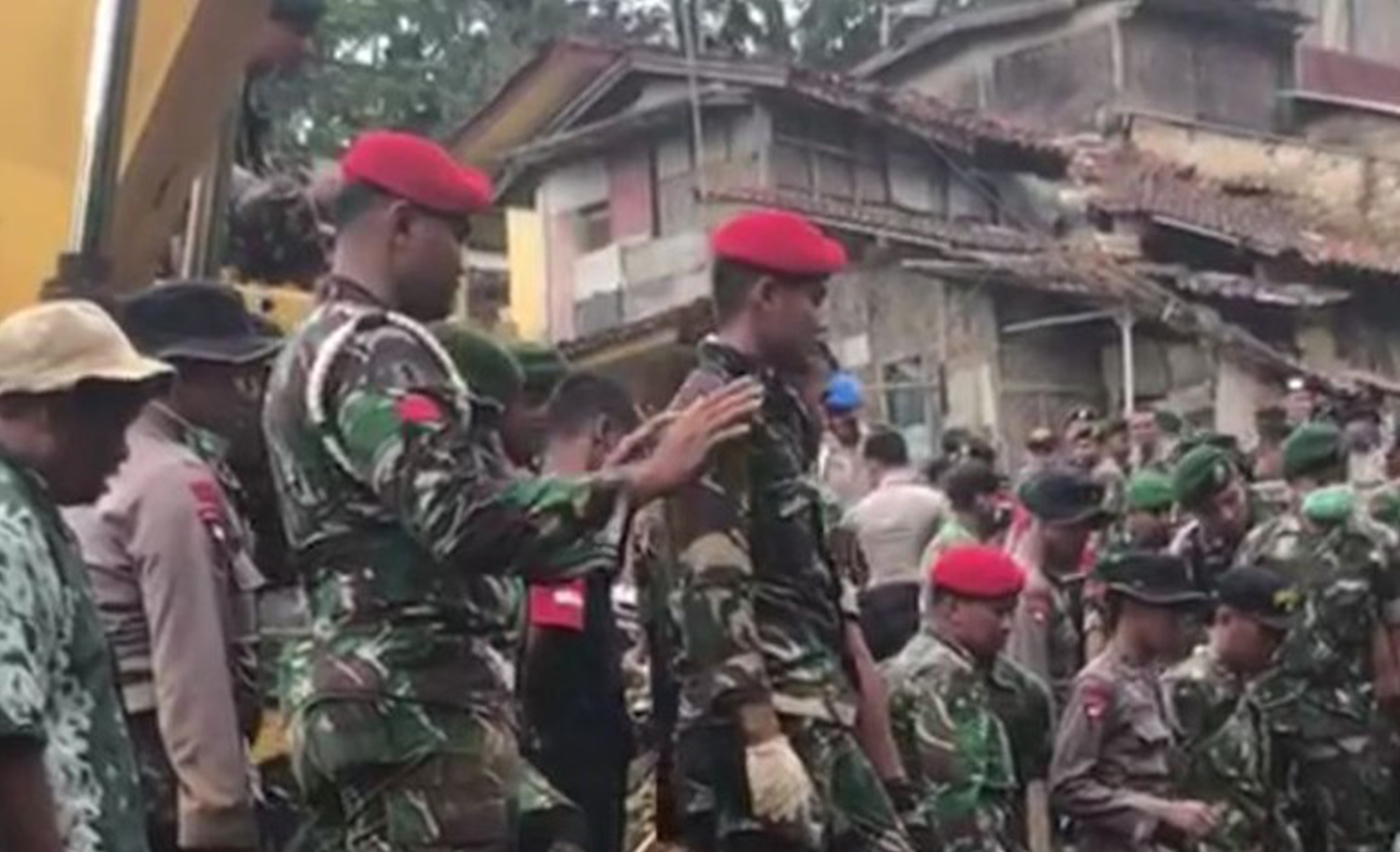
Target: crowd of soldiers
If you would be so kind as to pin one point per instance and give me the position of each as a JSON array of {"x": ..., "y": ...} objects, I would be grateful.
[{"x": 1121, "y": 650}]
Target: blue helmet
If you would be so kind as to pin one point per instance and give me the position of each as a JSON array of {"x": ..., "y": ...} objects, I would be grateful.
[{"x": 843, "y": 393}]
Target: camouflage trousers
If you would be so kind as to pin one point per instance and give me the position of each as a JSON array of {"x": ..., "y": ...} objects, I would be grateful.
[
  {"x": 853, "y": 813},
  {"x": 1342, "y": 776},
  {"x": 159, "y": 786},
  {"x": 472, "y": 792}
]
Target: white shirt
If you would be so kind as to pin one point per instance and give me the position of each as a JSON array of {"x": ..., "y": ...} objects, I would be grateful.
[{"x": 894, "y": 523}]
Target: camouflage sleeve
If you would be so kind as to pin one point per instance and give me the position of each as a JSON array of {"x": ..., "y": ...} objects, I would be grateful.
[
  {"x": 1077, "y": 788},
  {"x": 962, "y": 759},
  {"x": 715, "y": 584},
  {"x": 401, "y": 426}
]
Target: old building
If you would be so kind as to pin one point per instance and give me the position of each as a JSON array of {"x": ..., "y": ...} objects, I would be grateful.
[{"x": 1001, "y": 276}]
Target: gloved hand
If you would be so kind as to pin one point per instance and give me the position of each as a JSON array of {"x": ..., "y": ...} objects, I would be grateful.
[{"x": 779, "y": 788}]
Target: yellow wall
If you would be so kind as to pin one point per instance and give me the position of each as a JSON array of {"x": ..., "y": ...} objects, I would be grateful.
[
  {"x": 529, "y": 295},
  {"x": 42, "y": 70},
  {"x": 172, "y": 116}
]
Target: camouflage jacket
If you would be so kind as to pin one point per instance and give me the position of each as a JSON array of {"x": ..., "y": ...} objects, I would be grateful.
[
  {"x": 1348, "y": 579},
  {"x": 1201, "y": 694},
  {"x": 955, "y": 747},
  {"x": 1224, "y": 756},
  {"x": 760, "y": 609},
  {"x": 405, "y": 523}
]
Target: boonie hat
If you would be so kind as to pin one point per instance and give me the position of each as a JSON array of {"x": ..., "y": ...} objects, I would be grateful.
[
  {"x": 1157, "y": 579},
  {"x": 1063, "y": 496},
  {"x": 198, "y": 320},
  {"x": 53, "y": 346}
]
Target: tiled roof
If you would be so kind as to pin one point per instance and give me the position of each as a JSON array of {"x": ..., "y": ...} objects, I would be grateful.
[{"x": 1123, "y": 180}]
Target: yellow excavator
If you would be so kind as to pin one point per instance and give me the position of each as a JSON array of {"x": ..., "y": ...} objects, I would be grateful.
[{"x": 115, "y": 114}]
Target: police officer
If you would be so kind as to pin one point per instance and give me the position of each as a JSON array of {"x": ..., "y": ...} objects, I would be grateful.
[
  {"x": 402, "y": 721},
  {"x": 1111, "y": 773},
  {"x": 956, "y": 747},
  {"x": 1224, "y": 755},
  {"x": 1047, "y": 637},
  {"x": 767, "y": 753},
  {"x": 171, "y": 565}
]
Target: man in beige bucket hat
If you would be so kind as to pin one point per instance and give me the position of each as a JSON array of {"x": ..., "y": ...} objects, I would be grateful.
[{"x": 70, "y": 383}]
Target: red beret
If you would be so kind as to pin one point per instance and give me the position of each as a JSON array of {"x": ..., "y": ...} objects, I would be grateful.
[
  {"x": 417, "y": 170},
  {"x": 780, "y": 242},
  {"x": 977, "y": 571}
]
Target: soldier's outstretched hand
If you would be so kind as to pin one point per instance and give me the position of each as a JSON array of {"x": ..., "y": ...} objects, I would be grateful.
[{"x": 685, "y": 445}]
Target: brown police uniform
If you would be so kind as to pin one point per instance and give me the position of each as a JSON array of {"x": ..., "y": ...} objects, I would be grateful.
[{"x": 172, "y": 577}]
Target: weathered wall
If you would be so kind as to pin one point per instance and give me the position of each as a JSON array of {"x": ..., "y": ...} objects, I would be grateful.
[
  {"x": 1347, "y": 188},
  {"x": 1370, "y": 133}
]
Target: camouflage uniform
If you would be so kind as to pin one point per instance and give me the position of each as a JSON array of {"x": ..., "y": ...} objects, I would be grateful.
[
  {"x": 1023, "y": 704},
  {"x": 404, "y": 522},
  {"x": 1224, "y": 755},
  {"x": 956, "y": 748},
  {"x": 762, "y": 616},
  {"x": 1335, "y": 752}
]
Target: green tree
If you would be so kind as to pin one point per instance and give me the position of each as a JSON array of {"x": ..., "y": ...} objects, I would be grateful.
[{"x": 423, "y": 65}]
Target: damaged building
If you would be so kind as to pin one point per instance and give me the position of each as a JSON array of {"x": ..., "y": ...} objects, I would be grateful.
[{"x": 1004, "y": 271}]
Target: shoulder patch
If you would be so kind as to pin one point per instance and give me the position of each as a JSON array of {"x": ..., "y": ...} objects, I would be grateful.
[
  {"x": 418, "y": 408},
  {"x": 207, "y": 499},
  {"x": 1097, "y": 699},
  {"x": 558, "y": 605}
]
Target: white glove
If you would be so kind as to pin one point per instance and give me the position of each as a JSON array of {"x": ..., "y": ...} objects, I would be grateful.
[{"x": 779, "y": 787}]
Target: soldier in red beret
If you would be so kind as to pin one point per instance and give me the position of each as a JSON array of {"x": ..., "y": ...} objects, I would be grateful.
[
  {"x": 767, "y": 755},
  {"x": 972, "y": 726},
  {"x": 409, "y": 532}
]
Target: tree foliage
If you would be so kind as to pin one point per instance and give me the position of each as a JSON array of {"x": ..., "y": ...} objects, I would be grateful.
[{"x": 424, "y": 65}]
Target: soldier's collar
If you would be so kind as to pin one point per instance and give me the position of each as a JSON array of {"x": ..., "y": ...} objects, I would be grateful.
[
  {"x": 338, "y": 288},
  {"x": 730, "y": 360},
  {"x": 160, "y": 418}
]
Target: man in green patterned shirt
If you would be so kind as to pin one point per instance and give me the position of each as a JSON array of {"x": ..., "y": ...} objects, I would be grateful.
[{"x": 70, "y": 383}]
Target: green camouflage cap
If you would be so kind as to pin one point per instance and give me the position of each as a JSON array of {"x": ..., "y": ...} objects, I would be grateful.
[
  {"x": 1201, "y": 474},
  {"x": 544, "y": 367},
  {"x": 1312, "y": 448},
  {"x": 1329, "y": 506},
  {"x": 1149, "y": 491},
  {"x": 492, "y": 374}
]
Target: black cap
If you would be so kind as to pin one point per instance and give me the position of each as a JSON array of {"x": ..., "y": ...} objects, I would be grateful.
[
  {"x": 1150, "y": 577},
  {"x": 1062, "y": 496},
  {"x": 1263, "y": 594},
  {"x": 196, "y": 320},
  {"x": 969, "y": 479}
]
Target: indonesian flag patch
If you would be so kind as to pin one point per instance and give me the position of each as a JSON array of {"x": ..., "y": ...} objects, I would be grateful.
[{"x": 558, "y": 605}]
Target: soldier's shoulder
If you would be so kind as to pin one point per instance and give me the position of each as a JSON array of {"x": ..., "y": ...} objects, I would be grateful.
[
  {"x": 704, "y": 378},
  {"x": 926, "y": 662},
  {"x": 1199, "y": 667}
]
